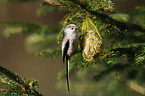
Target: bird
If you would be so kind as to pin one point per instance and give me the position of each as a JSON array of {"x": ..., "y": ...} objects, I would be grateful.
[{"x": 69, "y": 46}]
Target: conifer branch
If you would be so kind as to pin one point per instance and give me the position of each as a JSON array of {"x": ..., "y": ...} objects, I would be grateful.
[
  {"x": 49, "y": 53},
  {"x": 20, "y": 81},
  {"x": 20, "y": 23},
  {"x": 123, "y": 26},
  {"x": 106, "y": 19},
  {"x": 115, "y": 67}
]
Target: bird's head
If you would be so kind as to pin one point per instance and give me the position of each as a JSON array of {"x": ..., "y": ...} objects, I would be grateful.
[{"x": 70, "y": 29}]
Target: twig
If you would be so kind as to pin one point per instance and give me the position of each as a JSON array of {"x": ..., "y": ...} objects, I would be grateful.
[
  {"x": 106, "y": 19},
  {"x": 20, "y": 81}
]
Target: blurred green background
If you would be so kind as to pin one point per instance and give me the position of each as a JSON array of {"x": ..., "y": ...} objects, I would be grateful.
[{"x": 15, "y": 57}]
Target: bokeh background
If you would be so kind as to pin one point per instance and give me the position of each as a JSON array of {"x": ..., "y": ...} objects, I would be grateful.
[{"x": 15, "y": 57}]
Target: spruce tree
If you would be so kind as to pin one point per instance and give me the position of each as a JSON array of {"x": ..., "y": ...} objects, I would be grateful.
[{"x": 111, "y": 55}]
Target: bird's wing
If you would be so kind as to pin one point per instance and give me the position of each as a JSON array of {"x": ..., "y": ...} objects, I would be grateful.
[{"x": 65, "y": 46}]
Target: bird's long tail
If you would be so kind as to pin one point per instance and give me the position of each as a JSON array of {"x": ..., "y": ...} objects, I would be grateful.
[{"x": 67, "y": 72}]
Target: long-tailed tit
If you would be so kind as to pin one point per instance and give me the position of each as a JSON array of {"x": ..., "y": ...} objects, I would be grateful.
[{"x": 69, "y": 46}]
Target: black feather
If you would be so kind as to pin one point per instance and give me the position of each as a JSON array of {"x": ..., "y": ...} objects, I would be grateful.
[{"x": 65, "y": 50}]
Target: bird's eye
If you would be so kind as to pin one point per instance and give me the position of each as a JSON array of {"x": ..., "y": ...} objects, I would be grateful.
[{"x": 72, "y": 28}]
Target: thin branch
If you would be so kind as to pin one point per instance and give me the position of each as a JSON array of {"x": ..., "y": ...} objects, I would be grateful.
[
  {"x": 123, "y": 26},
  {"x": 48, "y": 4},
  {"x": 12, "y": 76},
  {"x": 20, "y": 81},
  {"x": 5, "y": 90},
  {"x": 106, "y": 19}
]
